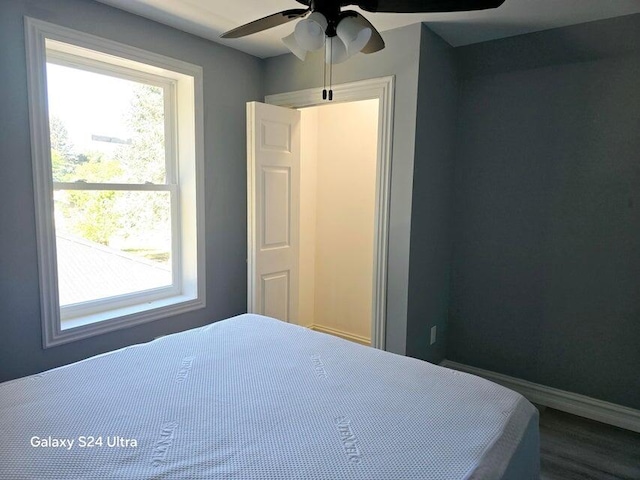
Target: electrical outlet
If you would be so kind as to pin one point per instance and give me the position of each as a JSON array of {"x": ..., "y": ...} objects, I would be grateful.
[{"x": 433, "y": 334}]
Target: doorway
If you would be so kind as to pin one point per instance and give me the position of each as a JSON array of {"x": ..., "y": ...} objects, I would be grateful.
[
  {"x": 282, "y": 295},
  {"x": 337, "y": 218}
]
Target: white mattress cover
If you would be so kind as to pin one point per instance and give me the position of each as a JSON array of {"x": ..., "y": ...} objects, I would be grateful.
[{"x": 256, "y": 398}]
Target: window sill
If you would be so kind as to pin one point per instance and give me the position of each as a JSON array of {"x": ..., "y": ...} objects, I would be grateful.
[{"x": 90, "y": 325}]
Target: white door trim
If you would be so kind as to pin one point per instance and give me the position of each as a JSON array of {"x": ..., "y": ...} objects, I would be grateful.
[{"x": 382, "y": 89}]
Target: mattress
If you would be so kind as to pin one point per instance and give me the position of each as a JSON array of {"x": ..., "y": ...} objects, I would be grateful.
[{"x": 255, "y": 398}]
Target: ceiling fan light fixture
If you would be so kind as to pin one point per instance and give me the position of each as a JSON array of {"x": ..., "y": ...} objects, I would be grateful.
[
  {"x": 310, "y": 32},
  {"x": 292, "y": 44},
  {"x": 354, "y": 36}
]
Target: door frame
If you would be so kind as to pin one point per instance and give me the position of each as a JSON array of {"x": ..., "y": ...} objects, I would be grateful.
[{"x": 383, "y": 90}]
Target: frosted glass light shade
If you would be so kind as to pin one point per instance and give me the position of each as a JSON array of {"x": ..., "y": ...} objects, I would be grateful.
[
  {"x": 292, "y": 44},
  {"x": 310, "y": 32},
  {"x": 337, "y": 51},
  {"x": 353, "y": 34}
]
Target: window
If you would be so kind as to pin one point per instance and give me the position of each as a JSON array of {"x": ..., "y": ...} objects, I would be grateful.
[{"x": 118, "y": 160}]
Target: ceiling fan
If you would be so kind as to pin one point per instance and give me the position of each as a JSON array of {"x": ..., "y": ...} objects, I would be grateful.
[
  {"x": 344, "y": 33},
  {"x": 332, "y": 12}
]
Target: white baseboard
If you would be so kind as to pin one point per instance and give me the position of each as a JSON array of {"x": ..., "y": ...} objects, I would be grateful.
[
  {"x": 339, "y": 333},
  {"x": 573, "y": 403}
]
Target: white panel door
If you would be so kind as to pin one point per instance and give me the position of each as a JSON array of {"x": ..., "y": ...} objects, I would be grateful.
[{"x": 273, "y": 210}]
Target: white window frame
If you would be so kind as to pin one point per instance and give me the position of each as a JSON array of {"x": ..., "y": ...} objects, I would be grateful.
[{"x": 182, "y": 84}]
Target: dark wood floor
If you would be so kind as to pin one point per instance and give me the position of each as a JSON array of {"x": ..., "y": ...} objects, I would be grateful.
[{"x": 575, "y": 448}]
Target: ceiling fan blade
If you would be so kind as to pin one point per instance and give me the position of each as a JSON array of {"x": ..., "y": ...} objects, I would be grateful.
[
  {"x": 265, "y": 23},
  {"x": 426, "y": 6},
  {"x": 375, "y": 43}
]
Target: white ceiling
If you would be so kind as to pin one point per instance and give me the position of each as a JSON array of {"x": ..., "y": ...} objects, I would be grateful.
[{"x": 210, "y": 18}]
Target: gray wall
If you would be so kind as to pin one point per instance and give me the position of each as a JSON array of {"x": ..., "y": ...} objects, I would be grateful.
[
  {"x": 428, "y": 300},
  {"x": 401, "y": 58},
  {"x": 546, "y": 269},
  {"x": 231, "y": 78}
]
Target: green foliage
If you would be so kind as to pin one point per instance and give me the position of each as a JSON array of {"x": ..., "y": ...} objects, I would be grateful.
[
  {"x": 92, "y": 214},
  {"x": 98, "y": 169},
  {"x": 94, "y": 219},
  {"x": 144, "y": 159},
  {"x": 63, "y": 159},
  {"x": 60, "y": 138},
  {"x": 58, "y": 165},
  {"x": 100, "y": 216}
]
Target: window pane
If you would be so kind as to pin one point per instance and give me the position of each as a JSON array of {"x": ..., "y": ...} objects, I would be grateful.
[
  {"x": 104, "y": 129},
  {"x": 111, "y": 243}
]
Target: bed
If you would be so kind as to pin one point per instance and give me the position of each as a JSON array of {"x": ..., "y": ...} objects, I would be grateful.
[{"x": 255, "y": 398}]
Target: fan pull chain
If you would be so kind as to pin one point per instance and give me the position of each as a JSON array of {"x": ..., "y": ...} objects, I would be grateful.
[
  {"x": 327, "y": 45},
  {"x": 324, "y": 74},
  {"x": 331, "y": 70}
]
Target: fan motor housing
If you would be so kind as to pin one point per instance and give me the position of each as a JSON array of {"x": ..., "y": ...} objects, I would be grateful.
[{"x": 331, "y": 11}]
